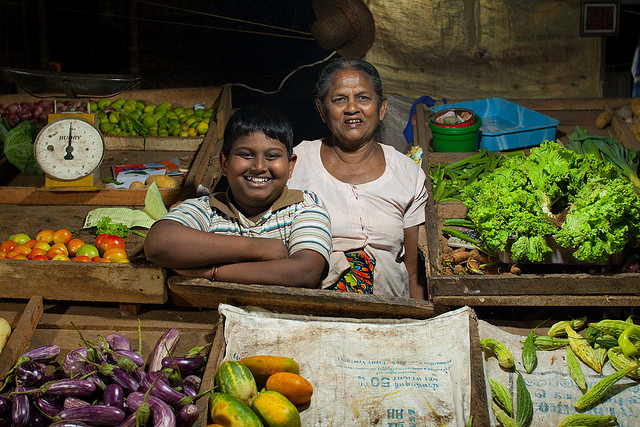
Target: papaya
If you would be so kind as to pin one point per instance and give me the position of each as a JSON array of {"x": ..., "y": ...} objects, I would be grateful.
[
  {"x": 263, "y": 366},
  {"x": 229, "y": 411},
  {"x": 294, "y": 387},
  {"x": 236, "y": 379},
  {"x": 275, "y": 410}
]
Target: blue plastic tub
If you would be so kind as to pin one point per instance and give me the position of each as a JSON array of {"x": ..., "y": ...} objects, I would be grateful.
[{"x": 506, "y": 125}]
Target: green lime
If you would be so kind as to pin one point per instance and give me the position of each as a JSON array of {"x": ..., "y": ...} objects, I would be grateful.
[
  {"x": 114, "y": 117},
  {"x": 199, "y": 112},
  {"x": 162, "y": 120},
  {"x": 107, "y": 127},
  {"x": 178, "y": 110},
  {"x": 163, "y": 132},
  {"x": 104, "y": 102},
  {"x": 202, "y": 128},
  {"x": 148, "y": 121},
  {"x": 118, "y": 103},
  {"x": 140, "y": 105},
  {"x": 149, "y": 108},
  {"x": 165, "y": 105}
]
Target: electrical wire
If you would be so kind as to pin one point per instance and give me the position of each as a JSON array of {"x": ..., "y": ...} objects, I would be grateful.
[
  {"x": 285, "y": 78},
  {"x": 212, "y": 15}
]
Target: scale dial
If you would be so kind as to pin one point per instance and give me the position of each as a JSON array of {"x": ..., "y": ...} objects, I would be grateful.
[{"x": 69, "y": 148}]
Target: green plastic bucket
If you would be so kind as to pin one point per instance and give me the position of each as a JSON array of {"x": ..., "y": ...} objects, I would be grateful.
[{"x": 455, "y": 140}]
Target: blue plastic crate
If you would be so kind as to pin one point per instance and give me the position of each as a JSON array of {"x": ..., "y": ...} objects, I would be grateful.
[{"x": 506, "y": 125}]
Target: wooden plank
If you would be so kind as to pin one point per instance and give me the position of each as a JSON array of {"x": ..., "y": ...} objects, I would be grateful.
[
  {"x": 21, "y": 334},
  {"x": 216, "y": 355},
  {"x": 536, "y": 301},
  {"x": 538, "y": 284},
  {"x": 78, "y": 281},
  {"x": 204, "y": 293},
  {"x": 107, "y": 197}
]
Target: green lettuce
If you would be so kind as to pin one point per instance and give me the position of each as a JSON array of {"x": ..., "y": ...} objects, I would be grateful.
[
  {"x": 18, "y": 147},
  {"x": 579, "y": 199}
]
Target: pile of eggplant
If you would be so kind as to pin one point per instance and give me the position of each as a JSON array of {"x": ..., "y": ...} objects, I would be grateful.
[{"x": 104, "y": 383}]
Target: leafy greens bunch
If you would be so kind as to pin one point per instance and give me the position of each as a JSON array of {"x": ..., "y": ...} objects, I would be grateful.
[{"x": 578, "y": 198}]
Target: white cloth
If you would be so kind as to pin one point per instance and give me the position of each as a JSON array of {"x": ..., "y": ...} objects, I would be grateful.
[{"x": 370, "y": 216}]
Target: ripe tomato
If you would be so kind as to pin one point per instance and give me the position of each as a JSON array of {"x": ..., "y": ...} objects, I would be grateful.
[
  {"x": 7, "y": 246},
  {"x": 62, "y": 236},
  {"x": 22, "y": 250},
  {"x": 35, "y": 252},
  {"x": 62, "y": 246},
  {"x": 108, "y": 241},
  {"x": 87, "y": 250},
  {"x": 54, "y": 251},
  {"x": 40, "y": 258},
  {"x": 82, "y": 258},
  {"x": 45, "y": 236},
  {"x": 115, "y": 255},
  {"x": 3, "y": 255},
  {"x": 74, "y": 245},
  {"x": 31, "y": 243},
  {"x": 20, "y": 257},
  {"x": 60, "y": 257},
  {"x": 12, "y": 254},
  {"x": 99, "y": 259},
  {"x": 42, "y": 245}
]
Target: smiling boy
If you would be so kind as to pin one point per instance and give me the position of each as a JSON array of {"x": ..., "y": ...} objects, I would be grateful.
[{"x": 258, "y": 231}]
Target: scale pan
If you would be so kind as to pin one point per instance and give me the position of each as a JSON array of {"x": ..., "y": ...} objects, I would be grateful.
[{"x": 71, "y": 85}]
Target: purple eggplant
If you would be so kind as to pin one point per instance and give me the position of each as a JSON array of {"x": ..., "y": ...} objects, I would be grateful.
[
  {"x": 70, "y": 423},
  {"x": 192, "y": 381},
  {"x": 64, "y": 387},
  {"x": 30, "y": 373},
  {"x": 20, "y": 408},
  {"x": 188, "y": 391},
  {"x": 134, "y": 356},
  {"x": 118, "y": 376},
  {"x": 75, "y": 361},
  {"x": 113, "y": 395},
  {"x": 73, "y": 402},
  {"x": 138, "y": 374},
  {"x": 95, "y": 414},
  {"x": 49, "y": 405},
  {"x": 163, "y": 390},
  {"x": 130, "y": 421},
  {"x": 36, "y": 419},
  {"x": 164, "y": 347},
  {"x": 4, "y": 405},
  {"x": 44, "y": 354},
  {"x": 162, "y": 414},
  {"x": 187, "y": 416},
  {"x": 186, "y": 365},
  {"x": 117, "y": 341},
  {"x": 90, "y": 372}
]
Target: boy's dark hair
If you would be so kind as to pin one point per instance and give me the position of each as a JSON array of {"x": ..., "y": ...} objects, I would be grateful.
[{"x": 258, "y": 118}]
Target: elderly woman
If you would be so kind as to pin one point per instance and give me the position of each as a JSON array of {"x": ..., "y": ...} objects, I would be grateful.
[{"x": 375, "y": 195}]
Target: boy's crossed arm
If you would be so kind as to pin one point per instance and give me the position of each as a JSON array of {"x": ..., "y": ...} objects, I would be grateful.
[{"x": 239, "y": 259}]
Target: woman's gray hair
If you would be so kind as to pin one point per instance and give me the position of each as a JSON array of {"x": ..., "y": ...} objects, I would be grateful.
[{"x": 326, "y": 76}]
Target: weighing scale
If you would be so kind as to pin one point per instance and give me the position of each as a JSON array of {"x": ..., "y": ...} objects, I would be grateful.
[{"x": 70, "y": 148}]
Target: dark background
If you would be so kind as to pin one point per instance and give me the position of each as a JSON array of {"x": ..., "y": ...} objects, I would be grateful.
[{"x": 181, "y": 44}]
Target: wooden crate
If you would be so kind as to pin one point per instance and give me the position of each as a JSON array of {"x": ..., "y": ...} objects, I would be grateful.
[
  {"x": 205, "y": 293},
  {"x": 137, "y": 282},
  {"x": 558, "y": 290},
  {"x": 35, "y": 325},
  {"x": 201, "y": 160}
]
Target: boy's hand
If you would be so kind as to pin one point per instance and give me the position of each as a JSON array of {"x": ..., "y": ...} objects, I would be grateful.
[{"x": 268, "y": 249}]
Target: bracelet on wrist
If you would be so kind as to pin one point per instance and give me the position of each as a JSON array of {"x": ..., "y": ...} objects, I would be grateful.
[{"x": 214, "y": 270}]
